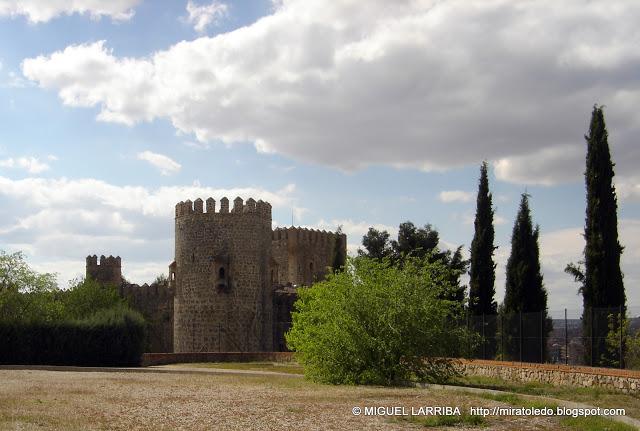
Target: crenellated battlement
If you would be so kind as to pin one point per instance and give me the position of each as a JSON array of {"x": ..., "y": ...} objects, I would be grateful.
[
  {"x": 106, "y": 270},
  {"x": 197, "y": 207},
  {"x": 299, "y": 234},
  {"x": 109, "y": 261}
]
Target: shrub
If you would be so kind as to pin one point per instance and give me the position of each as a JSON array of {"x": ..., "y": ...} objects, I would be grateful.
[
  {"x": 375, "y": 323},
  {"x": 113, "y": 337}
]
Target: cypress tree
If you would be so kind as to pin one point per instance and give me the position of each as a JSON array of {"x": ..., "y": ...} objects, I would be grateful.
[
  {"x": 525, "y": 300},
  {"x": 339, "y": 257},
  {"x": 602, "y": 287},
  {"x": 482, "y": 305},
  {"x": 482, "y": 272}
]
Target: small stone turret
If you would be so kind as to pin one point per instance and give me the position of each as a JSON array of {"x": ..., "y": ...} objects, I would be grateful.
[{"x": 107, "y": 271}]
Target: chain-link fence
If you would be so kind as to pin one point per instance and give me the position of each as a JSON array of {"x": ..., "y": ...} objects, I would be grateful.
[{"x": 596, "y": 337}]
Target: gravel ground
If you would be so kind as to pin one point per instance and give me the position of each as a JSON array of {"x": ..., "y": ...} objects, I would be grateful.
[{"x": 52, "y": 400}]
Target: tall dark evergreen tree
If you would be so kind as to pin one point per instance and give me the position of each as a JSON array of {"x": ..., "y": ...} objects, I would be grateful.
[
  {"x": 602, "y": 286},
  {"x": 339, "y": 256},
  {"x": 525, "y": 302},
  {"x": 482, "y": 305},
  {"x": 482, "y": 274}
]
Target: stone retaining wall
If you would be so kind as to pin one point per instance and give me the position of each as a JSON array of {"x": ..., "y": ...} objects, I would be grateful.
[
  {"x": 625, "y": 381},
  {"x": 176, "y": 358}
]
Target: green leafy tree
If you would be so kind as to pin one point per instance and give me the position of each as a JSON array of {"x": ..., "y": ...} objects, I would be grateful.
[
  {"x": 525, "y": 301},
  {"x": 415, "y": 242},
  {"x": 377, "y": 323},
  {"x": 87, "y": 297},
  {"x": 615, "y": 340},
  {"x": 376, "y": 244},
  {"x": 482, "y": 305},
  {"x": 26, "y": 295},
  {"x": 632, "y": 354},
  {"x": 601, "y": 281}
]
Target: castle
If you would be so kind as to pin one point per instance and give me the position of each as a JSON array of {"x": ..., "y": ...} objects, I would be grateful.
[{"x": 233, "y": 282}]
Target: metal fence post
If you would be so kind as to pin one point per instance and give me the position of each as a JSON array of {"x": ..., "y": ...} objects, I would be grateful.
[
  {"x": 503, "y": 353},
  {"x": 520, "y": 343},
  {"x": 591, "y": 337},
  {"x": 541, "y": 338},
  {"x": 566, "y": 339},
  {"x": 620, "y": 324},
  {"x": 484, "y": 341}
]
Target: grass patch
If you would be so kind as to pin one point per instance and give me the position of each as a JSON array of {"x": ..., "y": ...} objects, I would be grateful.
[
  {"x": 595, "y": 423},
  {"x": 444, "y": 420},
  {"x": 289, "y": 368},
  {"x": 595, "y": 396}
]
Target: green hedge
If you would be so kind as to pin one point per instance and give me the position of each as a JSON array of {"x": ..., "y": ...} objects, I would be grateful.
[{"x": 114, "y": 337}]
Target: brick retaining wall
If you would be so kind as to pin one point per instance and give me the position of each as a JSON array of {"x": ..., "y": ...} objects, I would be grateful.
[{"x": 626, "y": 381}]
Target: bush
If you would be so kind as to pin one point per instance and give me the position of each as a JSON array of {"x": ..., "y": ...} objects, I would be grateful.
[
  {"x": 379, "y": 324},
  {"x": 113, "y": 337}
]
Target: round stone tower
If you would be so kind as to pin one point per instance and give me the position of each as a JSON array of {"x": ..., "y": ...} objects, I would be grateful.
[{"x": 222, "y": 291}]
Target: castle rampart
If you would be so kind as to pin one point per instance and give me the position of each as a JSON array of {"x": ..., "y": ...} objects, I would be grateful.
[
  {"x": 233, "y": 282},
  {"x": 302, "y": 255},
  {"x": 223, "y": 293},
  {"x": 108, "y": 271}
]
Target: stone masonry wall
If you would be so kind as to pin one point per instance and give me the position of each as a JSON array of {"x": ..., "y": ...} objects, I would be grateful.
[
  {"x": 625, "y": 381},
  {"x": 223, "y": 292},
  {"x": 155, "y": 303},
  {"x": 301, "y": 256},
  {"x": 107, "y": 271}
]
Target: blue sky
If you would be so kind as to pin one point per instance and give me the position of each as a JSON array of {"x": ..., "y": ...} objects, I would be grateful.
[{"x": 111, "y": 112}]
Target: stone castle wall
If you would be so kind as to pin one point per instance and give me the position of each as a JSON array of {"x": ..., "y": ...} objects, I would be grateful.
[
  {"x": 155, "y": 303},
  {"x": 106, "y": 271},
  {"x": 222, "y": 291},
  {"x": 302, "y": 256},
  {"x": 233, "y": 282}
]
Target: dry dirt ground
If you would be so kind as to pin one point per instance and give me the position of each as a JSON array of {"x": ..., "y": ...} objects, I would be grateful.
[{"x": 71, "y": 400}]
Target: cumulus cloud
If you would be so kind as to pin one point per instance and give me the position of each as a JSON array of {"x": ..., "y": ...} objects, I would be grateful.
[
  {"x": 165, "y": 164},
  {"x": 354, "y": 230},
  {"x": 448, "y": 196},
  {"x": 558, "y": 248},
  {"x": 30, "y": 164},
  {"x": 547, "y": 167},
  {"x": 38, "y": 11},
  {"x": 419, "y": 83},
  {"x": 203, "y": 16},
  {"x": 60, "y": 221}
]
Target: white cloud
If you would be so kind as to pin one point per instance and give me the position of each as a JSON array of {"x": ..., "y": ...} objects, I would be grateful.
[
  {"x": 455, "y": 196},
  {"x": 203, "y": 16},
  {"x": 628, "y": 188},
  {"x": 354, "y": 230},
  {"x": 60, "y": 221},
  {"x": 547, "y": 167},
  {"x": 38, "y": 11},
  {"x": 166, "y": 165},
  {"x": 558, "y": 248},
  {"x": 30, "y": 164},
  {"x": 315, "y": 79},
  {"x": 197, "y": 145}
]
